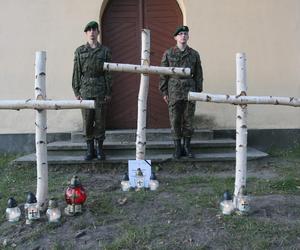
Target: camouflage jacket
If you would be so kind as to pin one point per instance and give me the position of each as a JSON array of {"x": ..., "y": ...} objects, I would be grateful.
[
  {"x": 176, "y": 87},
  {"x": 89, "y": 79}
]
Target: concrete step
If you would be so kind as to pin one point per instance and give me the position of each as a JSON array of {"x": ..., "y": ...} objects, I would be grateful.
[
  {"x": 129, "y": 135},
  {"x": 76, "y": 160},
  {"x": 128, "y": 148},
  {"x": 120, "y": 147}
]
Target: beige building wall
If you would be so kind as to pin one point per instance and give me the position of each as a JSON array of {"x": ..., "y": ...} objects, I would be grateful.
[{"x": 268, "y": 31}]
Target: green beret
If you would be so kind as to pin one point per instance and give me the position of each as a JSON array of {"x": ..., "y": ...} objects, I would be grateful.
[
  {"x": 181, "y": 28},
  {"x": 91, "y": 25}
]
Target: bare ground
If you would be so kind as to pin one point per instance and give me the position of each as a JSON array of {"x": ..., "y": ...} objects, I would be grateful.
[{"x": 183, "y": 214}]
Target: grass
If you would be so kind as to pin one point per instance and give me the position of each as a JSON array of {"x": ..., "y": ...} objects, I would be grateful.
[{"x": 182, "y": 214}]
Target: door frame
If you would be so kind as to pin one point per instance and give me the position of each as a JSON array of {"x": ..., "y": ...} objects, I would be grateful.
[{"x": 105, "y": 2}]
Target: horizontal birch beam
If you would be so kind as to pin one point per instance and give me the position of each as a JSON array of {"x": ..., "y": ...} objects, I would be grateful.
[
  {"x": 146, "y": 69},
  {"x": 46, "y": 104},
  {"x": 240, "y": 100}
]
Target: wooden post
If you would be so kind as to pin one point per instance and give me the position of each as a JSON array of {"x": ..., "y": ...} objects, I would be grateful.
[
  {"x": 241, "y": 127},
  {"x": 41, "y": 131},
  {"x": 142, "y": 98}
]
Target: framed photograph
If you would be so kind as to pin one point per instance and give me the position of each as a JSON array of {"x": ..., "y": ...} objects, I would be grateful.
[{"x": 144, "y": 165}]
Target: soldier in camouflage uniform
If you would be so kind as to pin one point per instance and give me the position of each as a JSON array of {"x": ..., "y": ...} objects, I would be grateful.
[
  {"x": 175, "y": 90},
  {"x": 90, "y": 82}
]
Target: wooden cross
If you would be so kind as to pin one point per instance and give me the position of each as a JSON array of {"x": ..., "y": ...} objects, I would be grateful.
[
  {"x": 144, "y": 69},
  {"x": 41, "y": 104},
  {"x": 242, "y": 100}
]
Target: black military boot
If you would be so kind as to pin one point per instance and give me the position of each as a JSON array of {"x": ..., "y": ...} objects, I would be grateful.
[
  {"x": 187, "y": 147},
  {"x": 90, "y": 154},
  {"x": 100, "y": 153},
  {"x": 177, "y": 152}
]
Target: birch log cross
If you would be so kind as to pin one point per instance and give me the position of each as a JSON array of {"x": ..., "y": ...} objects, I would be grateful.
[
  {"x": 242, "y": 100},
  {"x": 144, "y": 69},
  {"x": 41, "y": 104}
]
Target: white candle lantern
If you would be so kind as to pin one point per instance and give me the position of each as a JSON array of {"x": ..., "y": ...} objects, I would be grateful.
[
  {"x": 153, "y": 183},
  {"x": 243, "y": 201},
  {"x": 53, "y": 212},
  {"x": 226, "y": 204},
  {"x": 125, "y": 184},
  {"x": 13, "y": 212},
  {"x": 32, "y": 211},
  {"x": 139, "y": 179}
]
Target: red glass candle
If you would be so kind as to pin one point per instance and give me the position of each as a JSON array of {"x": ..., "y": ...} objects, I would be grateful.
[{"x": 75, "y": 193}]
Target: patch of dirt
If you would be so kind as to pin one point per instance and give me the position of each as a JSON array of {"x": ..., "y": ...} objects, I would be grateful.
[{"x": 167, "y": 219}]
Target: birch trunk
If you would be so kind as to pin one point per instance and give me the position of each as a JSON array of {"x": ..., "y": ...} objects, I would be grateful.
[
  {"x": 41, "y": 131},
  {"x": 237, "y": 99},
  {"x": 146, "y": 69},
  {"x": 142, "y": 98},
  {"x": 46, "y": 104},
  {"x": 241, "y": 127}
]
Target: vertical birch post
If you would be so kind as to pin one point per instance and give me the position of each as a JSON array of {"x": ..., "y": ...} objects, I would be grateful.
[
  {"x": 41, "y": 131},
  {"x": 142, "y": 98},
  {"x": 241, "y": 126}
]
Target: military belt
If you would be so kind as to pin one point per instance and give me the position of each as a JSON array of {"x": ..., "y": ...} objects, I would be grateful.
[
  {"x": 181, "y": 77},
  {"x": 92, "y": 77}
]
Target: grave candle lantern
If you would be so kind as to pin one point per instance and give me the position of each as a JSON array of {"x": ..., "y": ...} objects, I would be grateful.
[
  {"x": 226, "y": 204},
  {"x": 13, "y": 212},
  {"x": 75, "y": 197},
  {"x": 32, "y": 211},
  {"x": 153, "y": 184},
  {"x": 139, "y": 180},
  {"x": 53, "y": 212},
  {"x": 125, "y": 184}
]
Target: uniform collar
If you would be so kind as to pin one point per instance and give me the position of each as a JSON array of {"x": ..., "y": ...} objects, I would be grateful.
[
  {"x": 187, "y": 49},
  {"x": 87, "y": 45}
]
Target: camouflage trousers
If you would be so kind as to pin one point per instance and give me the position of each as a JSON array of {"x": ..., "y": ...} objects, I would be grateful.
[
  {"x": 94, "y": 120},
  {"x": 181, "y": 115}
]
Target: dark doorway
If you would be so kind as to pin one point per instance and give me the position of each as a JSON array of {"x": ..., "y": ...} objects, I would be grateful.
[{"x": 122, "y": 22}]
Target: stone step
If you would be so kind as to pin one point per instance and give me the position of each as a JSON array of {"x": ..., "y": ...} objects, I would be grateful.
[
  {"x": 129, "y": 135},
  {"x": 78, "y": 160},
  {"x": 152, "y": 147}
]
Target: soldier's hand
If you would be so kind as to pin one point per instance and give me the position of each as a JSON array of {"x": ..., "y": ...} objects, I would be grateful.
[
  {"x": 107, "y": 98},
  {"x": 79, "y": 98},
  {"x": 166, "y": 99}
]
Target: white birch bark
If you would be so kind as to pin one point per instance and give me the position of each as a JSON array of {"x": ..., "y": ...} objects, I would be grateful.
[
  {"x": 241, "y": 127},
  {"x": 142, "y": 98},
  {"x": 237, "y": 99},
  {"x": 46, "y": 104},
  {"x": 41, "y": 131},
  {"x": 146, "y": 69}
]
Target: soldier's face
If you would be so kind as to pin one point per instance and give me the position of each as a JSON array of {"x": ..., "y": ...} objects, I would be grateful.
[
  {"x": 182, "y": 37},
  {"x": 92, "y": 34}
]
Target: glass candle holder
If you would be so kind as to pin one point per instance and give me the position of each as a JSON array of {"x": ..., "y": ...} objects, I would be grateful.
[
  {"x": 53, "y": 212},
  {"x": 226, "y": 205},
  {"x": 153, "y": 183},
  {"x": 75, "y": 197},
  {"x": 139, "y": 180},
  {"x": 125, "y": 184},
  {"x": 13, "y": 212},
  {"x": 32, "y": 210}
]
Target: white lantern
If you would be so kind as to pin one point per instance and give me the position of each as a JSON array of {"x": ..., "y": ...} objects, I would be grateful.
[
  {"x": 243, "y": 201},
  {"x": 226, "y": 204},
  {"x": 125, "y": 184},
  {"x": 53, "y": 212},
  {"x": 153, "y": 183},
  {"x": 32, "y": 211},
  {"x": 139, "y": 180},
  {"x": 13, "y": 212}
]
